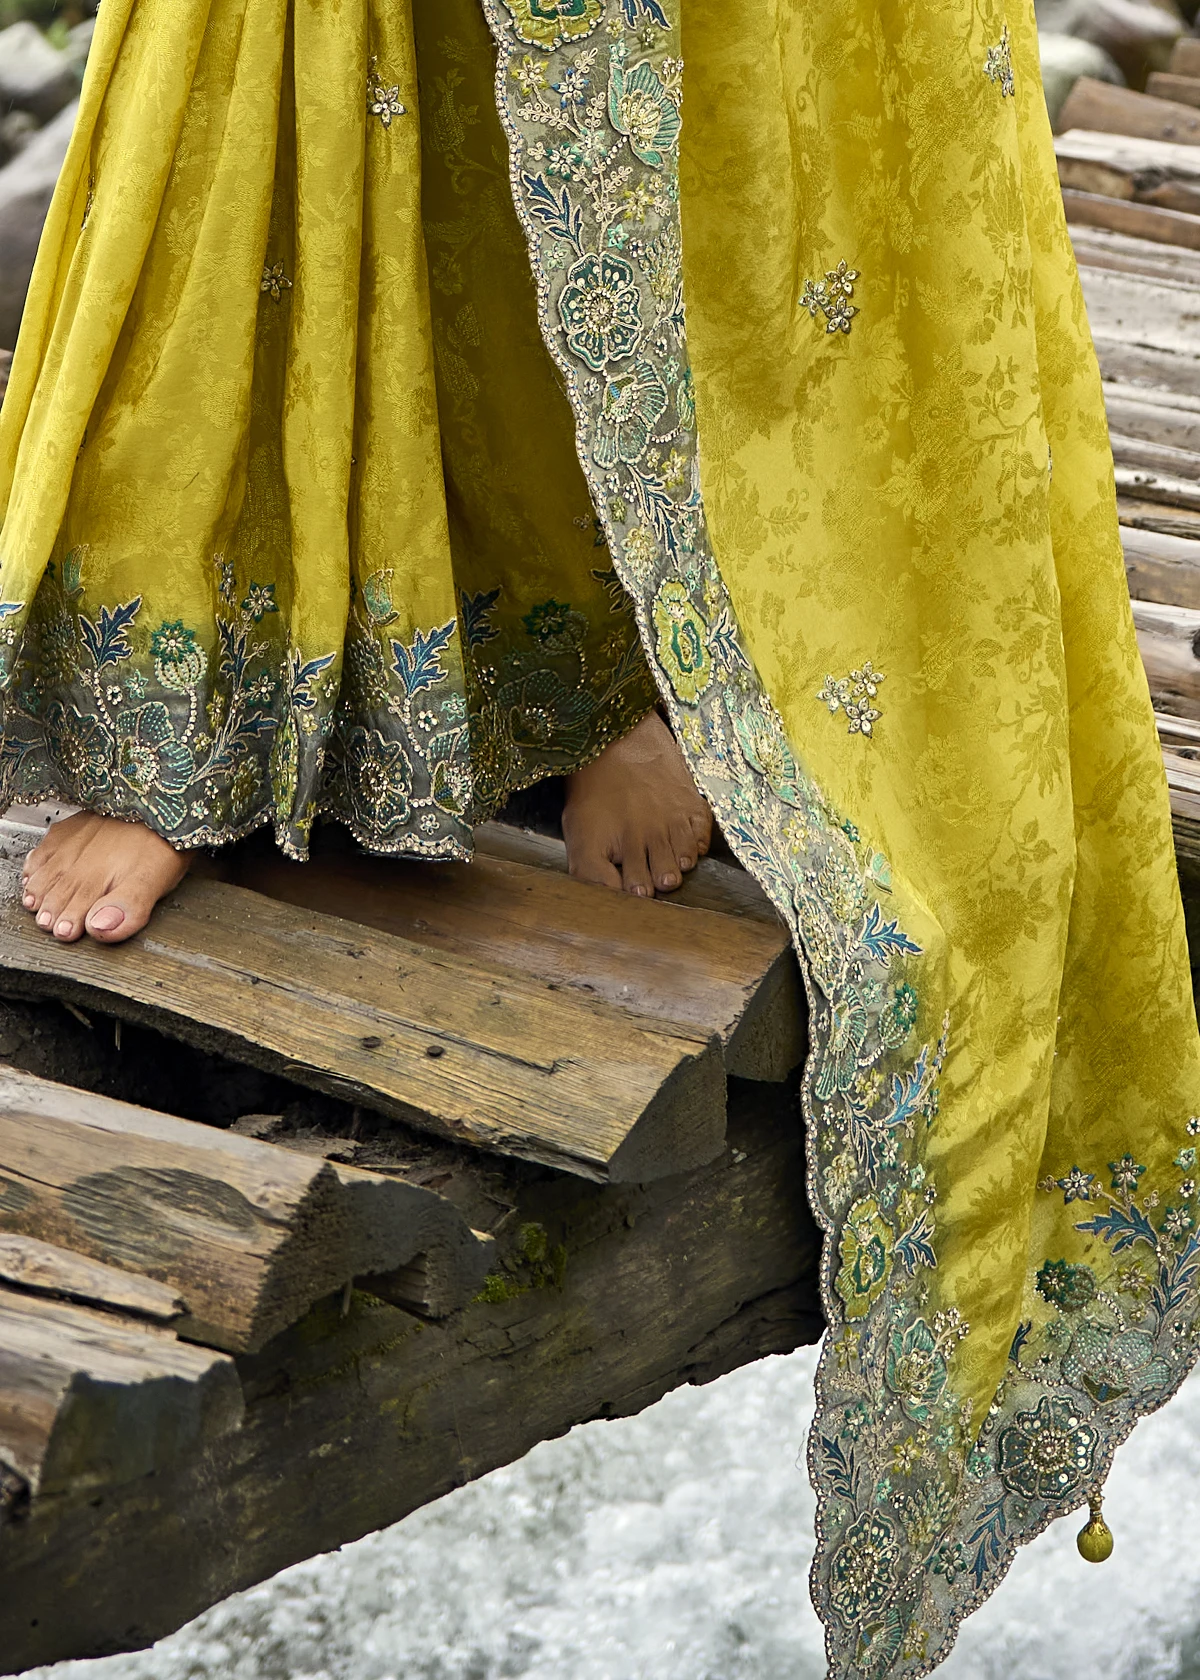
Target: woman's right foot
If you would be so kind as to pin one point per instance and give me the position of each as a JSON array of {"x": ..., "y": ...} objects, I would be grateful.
[{"x": 99, "y": 876}]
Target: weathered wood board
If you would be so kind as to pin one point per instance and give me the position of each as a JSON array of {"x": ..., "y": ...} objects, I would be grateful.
[
  {"x": 1118, "y": 110},
  {"x": 1142, "y": 221},
  {"x": 1180, "y": 90},
  {"x": 1185, "y": 57},
  {"x": 481, "y": 1055},
  {"x": 245, "y": 1235},
  {"x": 90, "y": 1401},
  {"x": 1168, "y": 637},
  {"x": 1159, "y": 172},
  {"x": 732, "y": 975},
  {"x": 1161, "y": 568},
  {"x": 603, "y": 1299}
]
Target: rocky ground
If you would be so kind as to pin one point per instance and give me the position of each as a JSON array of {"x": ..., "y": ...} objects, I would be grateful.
[{"x": 44, "y": 46}]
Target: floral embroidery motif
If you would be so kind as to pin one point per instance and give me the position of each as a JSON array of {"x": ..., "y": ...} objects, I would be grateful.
[
  {"x": 274, "y": 280},
  {"x": 1048, "y": 1453},
  {"x": 854, "y": 695},
  {"x": 383, "y": 101},
  {"x": 548, "y": 23},
  {"x": 999, "y": 67},
  {"x": 831, "y": 296}
]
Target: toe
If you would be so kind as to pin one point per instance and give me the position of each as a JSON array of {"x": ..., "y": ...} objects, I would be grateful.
[
  {"x": 701, "y": 825},
  {"x": 684, "y": 844},
  {"x": 111, "y": 920},
  {"x": 67, "y": 922},
  {"x": 636, "y": 877},
  {"x": 664, "y": 864},
  {"x": 596, "y": 867}
]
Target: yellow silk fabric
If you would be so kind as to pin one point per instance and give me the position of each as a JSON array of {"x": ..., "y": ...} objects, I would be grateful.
[{"x": 887, "y": 494}]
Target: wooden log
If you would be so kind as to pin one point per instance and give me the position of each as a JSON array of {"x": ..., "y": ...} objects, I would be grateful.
[
  {"x": 42, "y": 1269},
  {"x": 1141, "y": 221},
  {"x": 478, "y": 1055},
  {"x": 1168, "y": 639},
  {"x": 1152, "y": 517},
  {"x": 732, "y": 976},
  {"x": 1102, "y": 107},
  {"x": 1107, "y": 248},
  {"x": 1150, "y": 486},
  {"x": 1119, "y": 166},
  {"x": 606, "y": 1297},
  {"x": 1183, "y": 782},
  {"x": 1162, "y": 568},
  {"x": 247, "y": 1235},
  {"x": 1144, "y": 330},
  {"x": 1181, "y": 90},
  {"x": 1185, "y": 58},
  {"x": 1158, "y": 418},
  {"x": 90, "y": 1401},
  {"x": 1159, "y": 463}
]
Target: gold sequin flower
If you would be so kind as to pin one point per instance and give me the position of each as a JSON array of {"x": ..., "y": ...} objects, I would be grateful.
[
  {"x": 383, "y": 101},
  {"x": 998, "y": 67},
  {"x": 854, "y": 696},
  {"x": 275, "y": 281},
  {"x": 831, "y": 296}
]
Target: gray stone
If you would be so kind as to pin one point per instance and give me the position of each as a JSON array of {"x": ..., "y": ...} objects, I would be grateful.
[
  {"x": 5, "y": 364},
  {"x": 33, "y": 76},
  {"x": 1064, "y": 59},
  {"x": 79, "y": 42},
  {"x": 26, "y": 188},
  {"x": 1138, "y": 34},
  {"x": 17, "y": 129}
]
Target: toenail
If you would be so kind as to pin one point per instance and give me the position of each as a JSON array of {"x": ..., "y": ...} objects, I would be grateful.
[
  {"x": 29, "y": 901},
  {"x": 44, "y": 918},
  {"x": 106, "y": 920},
  {"x": 62, "y": 929}
]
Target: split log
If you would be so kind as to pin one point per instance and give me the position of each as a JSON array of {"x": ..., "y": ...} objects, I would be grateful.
[
  {"x": 1158, "y": 463},
  {"x": 606, "y": 1298},
  {"x": 1161, "y": 568},
  {"x": 1118, "y": 166},
  {"x": 1109, "y": 248},
  {"x": 90, "y": 1401},
  {"x": 1169, "y": 642},
  {"x": 1185, "y": 58},
  {"x": 479, "y": 1055},
  {"x": 1144, "y": 330},
  {"x": 1181, "y": 90},
  {"x": 1177, "y": 493},
  {"x": 1141, "y": 221},
  {"x": 1102, "y": 107},
  {"x": 734, "y": 976},
  {"x": 246, "y": 1235},
  {"x": 1151, "y": 517},
  {"x": 1157, "y": 417},
  {"x": 1183, "y": 782},
  {"x": 42, "y": 1269}
]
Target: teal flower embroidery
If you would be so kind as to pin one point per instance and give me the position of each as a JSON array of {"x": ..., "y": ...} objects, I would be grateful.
[
  {"x": 548, "y": 23},
  {"x": 640, "y": 108},
  {"x": 1048, "y": 1453},
  {"x": 866, "y": 1249},
  {"x": 863, "y": 1569},
  {"x": 179, "y": 661},
  {"x": 1109, "y": 1363},
  {"x": 600, "y": 310},
  {"x": 682, "y": 645},
  {"x": 82, "y": 749},
  {"x": 378, "y": 780},
  {"x": 153, "y": 762},
  {"x": 916, "y": 1369},
  {"x": 1066, "y": 1286},
  {"x": 634, "y": 401}
]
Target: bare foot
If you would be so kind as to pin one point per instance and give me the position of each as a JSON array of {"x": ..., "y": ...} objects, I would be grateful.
[
  {"x": 633, "y": 819},
  {"x": 99, "y": 876}
]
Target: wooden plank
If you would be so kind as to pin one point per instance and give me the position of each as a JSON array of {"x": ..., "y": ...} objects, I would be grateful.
[
  {"x": 1150, "y": 486},
  {"x": 1185, "y": 57},
  {"x": 1162, "y": 568},
  {"x": 247, "y": 1235},
  {"x": 735, "y": 977},
  {"x": 91, "y": 1401},
  {"x": 1120, "y": 166},
  {"x": 1160, "y": 463},
  {"x": 1168, "y": 637},
  {"x": 1165, "y": 418},
  {"x": 603, "y": 1298},
  {"x": 481, "y": 1056},
  {"x": 1181, "y": 90},
  {"x": 1183, "y": 783},
  {"x": 43, "y": 1269},
  {"x": 1103, "y": 107},
  {"x": 1145, "y": 331},
  {"x": 1107, "y": 248},
  {"x": 1151, "y": 517},
  {"x": 1141, "y": 221}
]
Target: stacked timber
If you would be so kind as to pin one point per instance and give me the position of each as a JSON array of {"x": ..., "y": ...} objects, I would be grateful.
[
  {"x": 534, "y": 1155},
  {"x": 1129, "y": 164}
]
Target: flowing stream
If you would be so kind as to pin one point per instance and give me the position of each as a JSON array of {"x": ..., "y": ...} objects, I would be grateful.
[{"x": 675, "y": 1546}]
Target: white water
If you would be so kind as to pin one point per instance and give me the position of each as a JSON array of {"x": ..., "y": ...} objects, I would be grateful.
[{"x": 675, "y": 1546}]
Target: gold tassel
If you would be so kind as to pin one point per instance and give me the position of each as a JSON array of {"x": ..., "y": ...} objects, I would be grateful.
[{"x": 1095, "y": 1539}]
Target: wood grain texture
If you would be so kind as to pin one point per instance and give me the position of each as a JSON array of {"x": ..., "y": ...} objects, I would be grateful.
[
  {"x": 1142, "y": 221},
  {"x": 247, "y": 1235},
  {"x": 1156, "y": 517},
  {"x": 1168, "y": 638},
  {"x": 605, "y": 1297},
  {"x": 1185, "y": 57},
  {"x": 1160, "y": 418},
  {"x": 1119, "y": 110},
  {"x": 1109, "y": 248},
  {"x": 90, "y": 1401},
  {"x": 715, "y": 973},
  {"x": 1162, "y": 568},
  {"x": 1157, "y": 172},
  {"x": 1181, "y": 90},
  {"x": 482, "y": 1056},
  {"x": 42, "y": 1269}
]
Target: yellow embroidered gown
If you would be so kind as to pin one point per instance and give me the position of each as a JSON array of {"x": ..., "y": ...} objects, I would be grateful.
[{"x": 295, "y": 523}]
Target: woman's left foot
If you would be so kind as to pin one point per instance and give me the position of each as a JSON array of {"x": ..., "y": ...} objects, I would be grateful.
[
  {"x": 96, "y": 875},
  {"x": 633, "y": 818}
]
